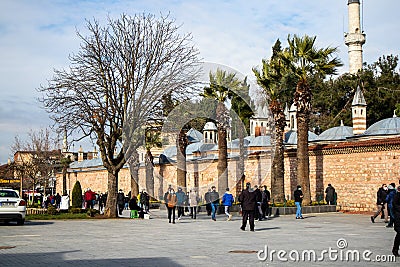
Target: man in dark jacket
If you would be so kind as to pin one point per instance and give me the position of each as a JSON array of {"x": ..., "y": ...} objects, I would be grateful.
[
  {"x": 266, "y": 198},
  {"x": 248, "y": 201},
  {"x": 396, "y": 213},
  {"x": 298, "y": 198},
  {"x": 258, "y": 210},
  {"x": 381, "y": 204},
  {"x": 120, "y": 201},
  {"x": 330, "y": 195},
  {"x": 208, "y": 202},
  {"x": 214, "y": 199}
]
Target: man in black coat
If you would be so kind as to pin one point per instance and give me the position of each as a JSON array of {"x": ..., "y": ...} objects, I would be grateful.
[
  {"x": 396, "y": 213},
  {"x": 381, "y": 204},
  {"x": 248, "y": 200}
]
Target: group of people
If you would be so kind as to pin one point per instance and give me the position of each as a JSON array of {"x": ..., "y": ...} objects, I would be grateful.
[
  {"x": 388, "y": 206},
  {"x": 254, "y": 203},
  {"x": 179, "y": 200}
]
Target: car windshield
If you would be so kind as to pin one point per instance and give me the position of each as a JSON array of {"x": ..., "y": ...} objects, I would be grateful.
[{"x": 8, "y": 193}]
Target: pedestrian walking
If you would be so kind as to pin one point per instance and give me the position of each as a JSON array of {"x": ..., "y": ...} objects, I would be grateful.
[
  {"x": 298, "y": 198},
  {"x": 266, "y": 199},
  {"x": 193, "y": 202},
  {"x": 248, "y": 201},
  {"x": 171, "y": 205},
  {"x": 381, "y": 204},
  {"x": 214, "y": 199},
  {"x": 208, "y": 202},
  {"x": 180, "y": 196},
  {"x": 120, "y": 201},
  {"x": 227, "y": 201},
  {"x": 396, "y": 213},
  {"x": 389, "y": 200},
  {"x": 330, "y": 195}
]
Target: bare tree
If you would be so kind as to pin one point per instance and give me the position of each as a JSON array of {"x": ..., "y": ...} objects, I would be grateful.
[
  {"x": 115, "y": 84},
  {"x": 36, "y": 159}
]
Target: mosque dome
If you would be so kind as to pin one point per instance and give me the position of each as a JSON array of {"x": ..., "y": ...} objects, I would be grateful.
[
  {"x": 210, "y": 126},
  {"x": 260, "y": 141},
  {"x": 291, "y": 137},
  {"x": 336, "y": 133},
  {"x": 385, "y": 126}
]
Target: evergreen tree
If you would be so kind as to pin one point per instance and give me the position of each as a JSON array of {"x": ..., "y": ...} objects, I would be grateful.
[{"x": 77, "y": 195}]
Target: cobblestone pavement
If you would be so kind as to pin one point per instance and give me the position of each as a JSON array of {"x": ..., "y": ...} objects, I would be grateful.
[{"x": 201, "y": 242}]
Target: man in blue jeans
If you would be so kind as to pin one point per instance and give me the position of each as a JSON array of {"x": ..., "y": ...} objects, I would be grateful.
[
  {"x": 298, "y": 198},
  {"x": 214, "y": 200}
]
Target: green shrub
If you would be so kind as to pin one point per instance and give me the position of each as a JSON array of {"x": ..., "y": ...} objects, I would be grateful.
[
  {"x": 51, "y": 210},
  {"x": 76, "y": 210},
  {"x": 77, "y": 195},
  {"x": 92, "y": 212}
]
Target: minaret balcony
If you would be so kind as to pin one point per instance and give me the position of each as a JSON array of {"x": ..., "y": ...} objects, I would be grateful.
[{"x": 354, "y": 38}]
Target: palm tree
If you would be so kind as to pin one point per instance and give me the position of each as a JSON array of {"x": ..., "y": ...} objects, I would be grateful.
[
  {"x": 221, "y": 86},
  {"x": 270, "y": 78},
  {"x": 305, "y": 60},
  {"x": 240, "y": 105}
]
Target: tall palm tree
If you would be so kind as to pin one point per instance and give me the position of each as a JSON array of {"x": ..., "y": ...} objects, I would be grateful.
[
  {"x": 305, "y": 60},
  {"x": 240, "y": 104},
  {"x": 271, "y": 79},
  {"x": 221, "y": 86}
]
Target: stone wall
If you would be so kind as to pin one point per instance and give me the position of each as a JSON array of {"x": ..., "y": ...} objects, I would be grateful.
[{"x": 356, "y": 169}]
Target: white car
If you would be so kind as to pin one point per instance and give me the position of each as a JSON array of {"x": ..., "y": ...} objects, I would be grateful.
[{"x": 12, "y": 207}]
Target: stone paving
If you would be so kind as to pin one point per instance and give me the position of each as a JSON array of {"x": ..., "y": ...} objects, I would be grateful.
[{"x": 201, "y": 242}]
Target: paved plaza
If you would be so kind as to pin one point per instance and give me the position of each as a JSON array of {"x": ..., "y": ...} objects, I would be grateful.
[{"x": 334, "y": 237}]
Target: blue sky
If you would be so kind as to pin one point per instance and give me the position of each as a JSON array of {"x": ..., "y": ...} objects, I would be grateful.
[{"x": 36, "y": 37}]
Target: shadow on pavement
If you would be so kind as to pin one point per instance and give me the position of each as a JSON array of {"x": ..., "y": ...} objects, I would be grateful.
[
  {"x": 58, "y": 259},
  {"x": 266, "y": 228}
]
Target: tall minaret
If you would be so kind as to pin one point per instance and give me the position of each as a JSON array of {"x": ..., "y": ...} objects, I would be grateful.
[
  {"x": 65, "y": 142},
  {"x": 359, "y": 112},
  {"x": 355, "y": 38}
]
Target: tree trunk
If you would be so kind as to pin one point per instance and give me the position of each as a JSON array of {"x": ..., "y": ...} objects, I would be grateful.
[
  {"x": 111, "y": 205},
  {"x": 222, "y": 161},
  {"x": 302, "y": 157},
  {"x": 64, "y": 180},
  {"x": 241, "y": 151},
  {"x": 134, "y": 169},
  {"x": 149, "y": 174},
  {"x": 181, "y": 160},
  {"x": 161, "y": 181},
  {"x": 278, "y": 167},
  {"x": 303, "y": 105}
]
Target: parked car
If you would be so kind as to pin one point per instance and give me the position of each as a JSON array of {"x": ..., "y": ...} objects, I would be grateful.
[{"x": 12, "y": 207}]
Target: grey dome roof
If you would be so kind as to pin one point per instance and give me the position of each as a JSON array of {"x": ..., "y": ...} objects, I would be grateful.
[
  {"x": 385, "y": 126},
  {"x": 96, "y": 162},
  {"x": 194, "y": 136},
  {"x": 336, "y": 133},
  {"x": 235, "y": 143},
  {"x": 260, "y": 141},
  {"x": 291, "y": 137}
]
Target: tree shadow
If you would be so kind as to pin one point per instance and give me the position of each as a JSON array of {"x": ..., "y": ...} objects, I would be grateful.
[{"x": 58, "y": 259}]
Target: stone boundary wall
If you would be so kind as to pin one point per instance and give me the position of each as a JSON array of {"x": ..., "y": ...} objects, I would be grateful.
[{"x": 356, "y": 169}]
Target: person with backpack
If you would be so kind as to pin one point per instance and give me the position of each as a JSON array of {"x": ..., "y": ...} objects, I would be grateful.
[
  {"x": 171, "y": 201},
  {"x": 227, "y": 201}
]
